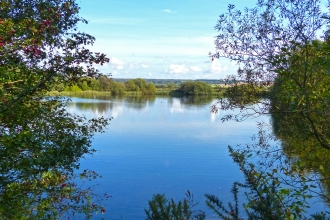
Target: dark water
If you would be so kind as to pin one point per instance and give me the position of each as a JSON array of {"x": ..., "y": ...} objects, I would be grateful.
[{"x": 161, "y": 145}]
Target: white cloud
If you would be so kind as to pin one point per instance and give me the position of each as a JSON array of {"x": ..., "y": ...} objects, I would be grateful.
[
  {"x": 160, "y": 57},
  {"x": 131, "y": 65},
  {"x": 144, "y": 65},
  {"x": 217, "y": 70},
  {"x": 177, "y": 69},
  {"x": 216, "y": 67},
  {"x": 195, "y": 68},
  {"x": 116, "y": 62},
  {"x": 169, "y": 11},
  {"x": 114, "y": 73},
  {"x": 138, "y": 65}
]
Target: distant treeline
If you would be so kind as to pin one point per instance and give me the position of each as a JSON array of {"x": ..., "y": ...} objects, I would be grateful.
[
  {"x": 104, "y": 84},
  {"x": 142, "y": 86},
  {"x": 175, "y": 81},
  {"x": 196, "y": 88}
]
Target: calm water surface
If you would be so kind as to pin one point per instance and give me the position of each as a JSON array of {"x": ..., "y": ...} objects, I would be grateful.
[{"x": 161, "y": 145}]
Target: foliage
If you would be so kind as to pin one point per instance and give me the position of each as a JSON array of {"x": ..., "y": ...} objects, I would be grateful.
[
  {"x": 195, "y": 88},
  {"x": 130, "y": 85},
  {"x": 162, "y": 209},
  {"x": 40, "y": 142},
  {"x": 301, "y": 96},
  {"x": 141, "y": 86},
  {"x": 274, "y": 45},
  {"x": 245, "y": 93},
  {"x": 305, "y": 156},
  {"x": 302, "y": 89},
  {"x": 105, "y": 84},
  {"x": 95, "y": 85},
  {"x": 266, "y": 196},
  {"x": 149, "y": 89},
  {"x": 171, "y": 85},
  {"x": 261, "y": 41},
  {"x": 139, "y": 83},
  {"x": 118, "y": 88},
  {"x": 52, "y": 195},
  {"x": 72, "y": 88}
]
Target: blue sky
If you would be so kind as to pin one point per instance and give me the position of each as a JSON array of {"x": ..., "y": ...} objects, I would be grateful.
[{"x": 158, "y": 39}]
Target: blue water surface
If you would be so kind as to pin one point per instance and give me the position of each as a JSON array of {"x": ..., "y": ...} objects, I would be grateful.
[{"x": 161, "y": 145}]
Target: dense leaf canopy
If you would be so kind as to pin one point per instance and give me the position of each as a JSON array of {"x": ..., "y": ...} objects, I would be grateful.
[
  {"x": 282, "y": 49},
  {"x": 195, "y": 88},
  {"x": 40, "y": 142}
]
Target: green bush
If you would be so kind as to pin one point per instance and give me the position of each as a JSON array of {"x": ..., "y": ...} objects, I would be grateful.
[
  {"x": 196, "y": 88},
  {"x": 161, "y": 208}
]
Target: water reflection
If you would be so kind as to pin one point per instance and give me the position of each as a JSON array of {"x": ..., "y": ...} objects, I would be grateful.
[
  {"x": 139, "y": 102},
  {"x": 175, "y": 105},
  {"x": 214, "y": 116},
  {"x": 161, "y": 145},
  {"x": 113, "y": 106},
  {"x": 197, "y": 100},
  {"x": 171, "y": 144},
  {"x": 100, "y": 107},
  {"x": 306, "y": 156}
]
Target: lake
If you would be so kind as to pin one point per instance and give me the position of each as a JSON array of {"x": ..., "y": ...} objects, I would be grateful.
[{"x": 161, "y": 145}]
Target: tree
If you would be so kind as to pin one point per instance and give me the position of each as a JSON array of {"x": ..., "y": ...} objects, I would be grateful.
[
  {"x": 162, "y": 209},
  {"x": 105, "y": 84},
  {"x": 275, "y": 42},
  {"x": 130, "y": 85},
  {"x": 95, "y": 84},
  {"x": 195, "y": 88},
  {"x": 40, "y": 142},
  {"x": 171, "y": 86},
  {"x": 149, "y": 89},
  {"x": 118, "y": 88},
  {"x": 72, "y": 88},
  {"x": 84, "y": 86},
  {"x": 261, "y": 40},
  {"x": 276, "y": 49},
  {"x": 139, "y": 83},
  {"x": 306, "y": 157},
  {"x": 265, "y": 194},
  {"x": 303, "y": 89}
]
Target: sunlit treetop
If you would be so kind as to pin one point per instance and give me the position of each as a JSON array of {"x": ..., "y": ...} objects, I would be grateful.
[{"x": 40, "y": 45}]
